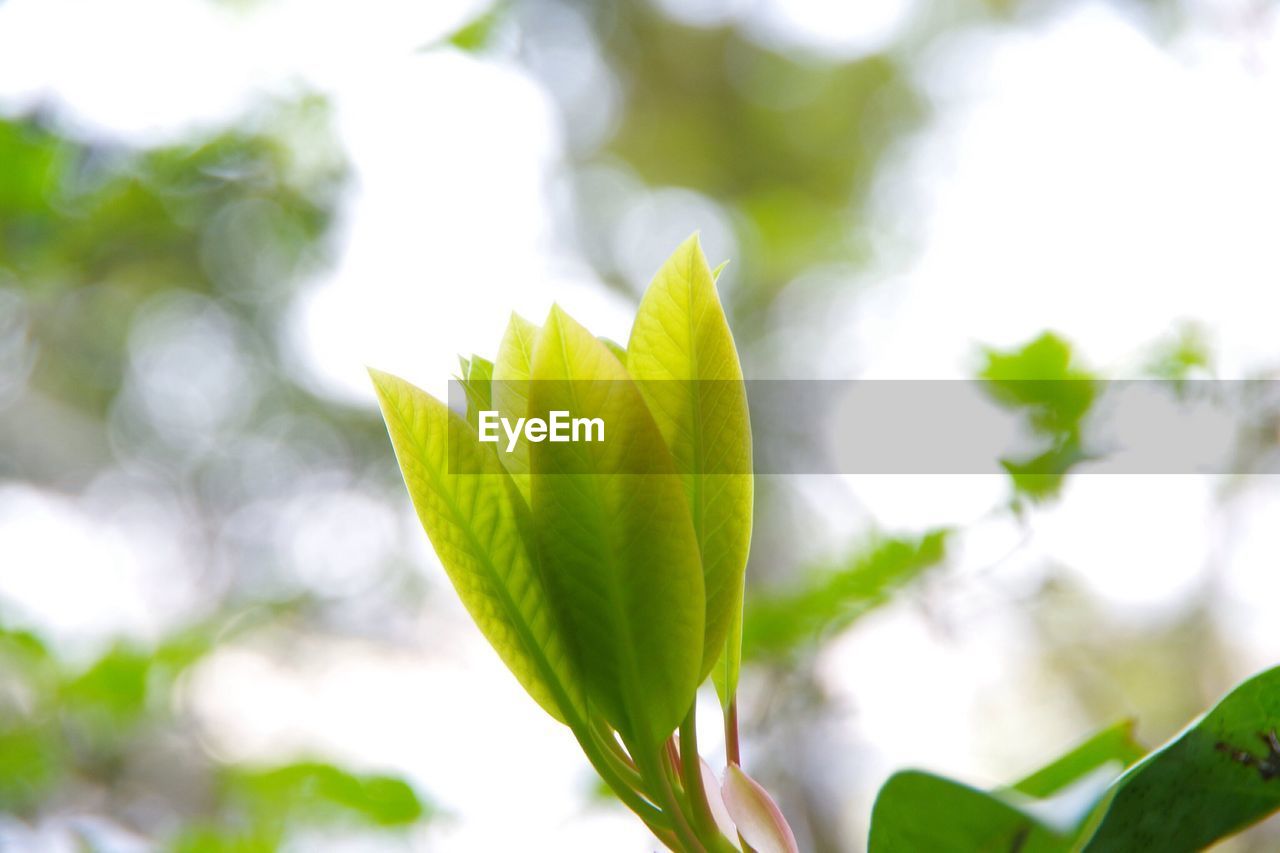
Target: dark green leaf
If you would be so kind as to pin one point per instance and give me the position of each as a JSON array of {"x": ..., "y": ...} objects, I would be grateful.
[
  {"x": 1219, "y": 776},
  {"x": 917, "y": 812}
]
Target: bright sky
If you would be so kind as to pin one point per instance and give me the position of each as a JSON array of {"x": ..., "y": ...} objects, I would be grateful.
[{"x": 1077, "y": 177}]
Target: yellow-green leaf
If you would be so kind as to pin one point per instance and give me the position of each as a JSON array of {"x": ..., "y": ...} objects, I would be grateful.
[
  {"x": 511, "y": 393},
  {"x": 476, "y": 379},
  {"x": 474, "y": 521},
  {"x": 616, "y": 348},
  {"x": 617, "y": 543},
  {"x": 683, "y": 358}
]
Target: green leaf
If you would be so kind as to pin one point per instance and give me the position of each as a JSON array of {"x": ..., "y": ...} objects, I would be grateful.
[
  {"x": 474, "y": 521},
  {"x": 1114, "y": 745},
  {"x": 32, "y": 761},
  {"x": 511, "y": 393},
  {"x": 315, "y": 791},
  {"x": 724, "y": 675},
  {"x": 114, "y": 689},
  {"x": 476, "y": 35},
  {"x": 832, "y": 599},
  {"x": 683, "y": 358},
  {"x": 618, "y": 546},
  {"x": 1216, "y": 778},
  {"x": 476, "y": 381},
  {"x": 618, "y": 350},
  {"x": 917, "y": 811},
  {"x": 1042, "y": 381}
]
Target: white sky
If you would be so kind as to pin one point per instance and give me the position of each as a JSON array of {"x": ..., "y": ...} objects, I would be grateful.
[{"x": 1077, "y": 178}]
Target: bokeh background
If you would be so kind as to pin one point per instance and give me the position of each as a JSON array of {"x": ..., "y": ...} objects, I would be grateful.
[{"x": 221, "y": 627}]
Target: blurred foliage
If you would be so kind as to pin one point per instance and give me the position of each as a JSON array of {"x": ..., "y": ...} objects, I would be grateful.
[
  {"x": 65, "y": 730},
  {"x": 479, "y": 32},
  {"x": 146, "y": 296},
  {"x": 831, "y": 599},
  {"x": 129, "y": 278},
  {"x": 1042, "y": 382},
  {"x": 1186, "y": 354},
  {"x": 1115, "y": 744},
  {"x": 785, "y": 143},
  {"x": 267, "y": 803}
]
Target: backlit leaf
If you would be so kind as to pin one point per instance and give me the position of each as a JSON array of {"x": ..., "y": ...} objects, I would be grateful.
[
  {"x": 682, "y": 355},
  {"x": 476, "y": 380},
  {"x": 473, "y": 520},
  {"x": 617, "y": 542},
  {"x": 511, "y": 393}
]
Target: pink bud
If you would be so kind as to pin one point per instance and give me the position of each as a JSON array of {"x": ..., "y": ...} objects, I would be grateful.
[
  {"x": 714, "y": 799},
  {"x": 759, "y": 820}
]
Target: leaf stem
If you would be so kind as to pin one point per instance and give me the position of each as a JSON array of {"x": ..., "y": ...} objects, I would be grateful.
[
  {"x": 691, "y": 770},
  {"x": 651, "y": 767},
  {"x": 631, "y": 798},
  {"x": 732, "y": 750}
]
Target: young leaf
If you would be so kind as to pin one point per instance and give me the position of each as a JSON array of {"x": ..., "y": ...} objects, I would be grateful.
[
  {"x": 473, "y": 521},
  {"x": 511, "y": 393},
  {"x": 682, "y": 355},
  {"x": 476, "y": 381},
  {"x": 1219, "y": 776},
  {"x": 619, "y": 352},
  {"x": 917, "y": 811},
  {"x": 617, "y": 544}
]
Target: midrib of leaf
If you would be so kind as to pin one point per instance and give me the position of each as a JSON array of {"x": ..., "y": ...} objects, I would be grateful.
[
  {"x": 696, "y": 476},
  {"x": 527, "y": 351},
  {"x": 533, "y": 647}
]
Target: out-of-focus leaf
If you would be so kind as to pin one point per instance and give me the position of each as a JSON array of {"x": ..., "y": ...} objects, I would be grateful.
[
  {"x": 1217, "y": 777},
  {"x": 209, "y": 839},
  {"x": 831, "y": 599},
  {"x": 476, "y": 34},
  {"x": 113, "y": 689},
  {"x": 1042, "y": 381},
  {"x": 618, "y": 546},
  {"x": 1114, "y": 745},
  {"x": 264, "y": 806},
  {"x": 1185, "y": 355},
  {"x": 511, "y": 393},
  {"x": 317, "y": 792},
  {"x": 473, "y": 521},
  {"x": 31, "y": 760},
  {"x": 683, "y": 359},
  {"x": 23, "y": 648},
  {"x": 917, "y": 811},
  {"x": 1041, "y": 477}
]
